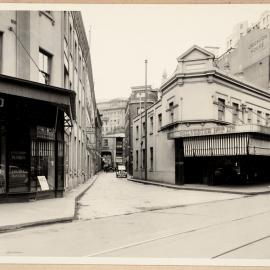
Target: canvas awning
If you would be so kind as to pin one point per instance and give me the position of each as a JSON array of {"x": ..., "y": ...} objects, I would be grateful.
[{"x": 63, "y": 98}]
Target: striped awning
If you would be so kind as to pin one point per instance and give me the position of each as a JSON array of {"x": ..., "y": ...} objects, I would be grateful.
[{"x": 219, "y": 145}]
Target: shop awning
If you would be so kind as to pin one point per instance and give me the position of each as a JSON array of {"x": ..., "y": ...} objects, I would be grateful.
[
  {"x": 63, "y": 98},
  {"x": 219, "y": 145},
  {"x": 226, "y": 145}
]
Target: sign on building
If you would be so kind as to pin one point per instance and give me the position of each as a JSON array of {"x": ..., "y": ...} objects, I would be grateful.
[
  {"x": 90, "y": 130},
  {"x": 45, "y": 133}
]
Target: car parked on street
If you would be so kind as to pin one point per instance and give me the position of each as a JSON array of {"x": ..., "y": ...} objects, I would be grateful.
[{"x": 121, "y": 171}]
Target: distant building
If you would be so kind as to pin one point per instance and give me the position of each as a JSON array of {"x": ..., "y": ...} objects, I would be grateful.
[
  {"x": 242, "y": 28},
  {"x": 264, "y": 21},
  {"x": 239, "y": 31},
  {"x": 251, "y": 59},
  {"x": 112, "y": 116},
  {"x": 112, "y": 149},
  {"x": 135, "y": 106}
]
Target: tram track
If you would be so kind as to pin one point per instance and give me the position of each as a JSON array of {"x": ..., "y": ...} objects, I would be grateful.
[{"x": 172, "y": 235}]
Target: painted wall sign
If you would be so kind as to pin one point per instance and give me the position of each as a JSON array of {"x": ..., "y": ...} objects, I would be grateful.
[{"x": 257, "y": 45}]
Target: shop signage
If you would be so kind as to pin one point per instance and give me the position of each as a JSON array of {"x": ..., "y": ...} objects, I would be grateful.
[
  {"x": 43, "y": 182},
  {"x": 45, "y": 133},
  {"x": 18, "y": 156},
  {"x": 217, "y": 130}
]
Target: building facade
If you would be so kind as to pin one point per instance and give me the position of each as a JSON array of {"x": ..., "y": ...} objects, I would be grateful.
[
  {"x": 239, "y": 31},
  {"x": 112, "y": 150},
  {"x": 134, "y": 107},
  {"x": 208, "y": 120},
  {"x": 59, "y": 62},
  {"x": 250, "y": 60},
  {"x": 112, "y": 115}
]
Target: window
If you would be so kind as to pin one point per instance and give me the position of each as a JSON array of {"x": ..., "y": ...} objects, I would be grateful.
[
  {"x": 75, "y": 54},
  {"x": 171, "y": 111},
  {"x": 79, "y": 67},
  {"x": 151, "y": 125},
  {"x": 70, "y": 39},
  {"x": 151, "y": 159},
  {"x": 267, "y": 119},
  {"x": 105, "y": 142},
  {"x": 137, "y": 159},
  {"x": 44, "y": 67},
  {"x": 235, "y": 113},
  {"x": 143, "y": 158},
  {"x": 221, "y": 109},
  {"x": 259, "y": 117},
  {"x": 143, "y": 129},
  {"x": 140, "y": 95},
  {"x": 137, "y": 132},
  {"x": 249, "y": 119},
  {"x": 66, "y": 23},
  {"x": 159, "y": 121}
]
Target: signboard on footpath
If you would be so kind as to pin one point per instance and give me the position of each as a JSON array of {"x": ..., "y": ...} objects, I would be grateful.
[{"x": 43, "y": 183}]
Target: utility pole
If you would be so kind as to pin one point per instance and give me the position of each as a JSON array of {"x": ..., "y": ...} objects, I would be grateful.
[
  {"x": 141, "y": 137},
  {"x": 145, "y": 114}
]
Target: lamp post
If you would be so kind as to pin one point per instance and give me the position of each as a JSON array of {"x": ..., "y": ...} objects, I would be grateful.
[{"x": 145, "y": 114}]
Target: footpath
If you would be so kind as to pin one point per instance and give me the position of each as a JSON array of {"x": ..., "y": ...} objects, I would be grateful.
[
  {"x": 248, "y": 189},
  {"x": 15, "y": 216}
]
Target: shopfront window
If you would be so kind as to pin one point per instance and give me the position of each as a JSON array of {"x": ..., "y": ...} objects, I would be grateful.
[
  {"x": 43, "y": 162},
  {"x": 18, "y": 167},
  {"x": 2, "y": 159}
]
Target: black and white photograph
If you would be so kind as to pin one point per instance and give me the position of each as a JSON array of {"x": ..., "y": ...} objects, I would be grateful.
[{"x": 135, "y": 134}]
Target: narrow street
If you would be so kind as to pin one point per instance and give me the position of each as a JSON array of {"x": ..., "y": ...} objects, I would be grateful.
[{"x": 119, "y": 218}]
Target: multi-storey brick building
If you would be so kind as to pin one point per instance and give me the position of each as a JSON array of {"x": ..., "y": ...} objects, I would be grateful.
[
  {"x": 135, "y": 106},
  {"x": 47, "y": 50},
  {"x": 112, "y": 115}
]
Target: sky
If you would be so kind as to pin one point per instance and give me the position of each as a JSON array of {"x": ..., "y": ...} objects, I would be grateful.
[{"x": 123, "y": 36}]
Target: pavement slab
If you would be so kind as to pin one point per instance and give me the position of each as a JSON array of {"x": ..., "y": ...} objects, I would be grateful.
[{"x": 25, "y": 214}]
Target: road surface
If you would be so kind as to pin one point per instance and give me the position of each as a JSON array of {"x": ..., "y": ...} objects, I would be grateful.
[{"x": 119, "y": 218}]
